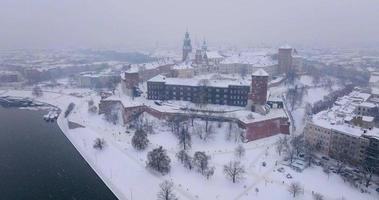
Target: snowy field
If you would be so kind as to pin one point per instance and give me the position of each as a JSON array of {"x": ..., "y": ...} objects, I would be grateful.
[{"x": 123, "y": 169}]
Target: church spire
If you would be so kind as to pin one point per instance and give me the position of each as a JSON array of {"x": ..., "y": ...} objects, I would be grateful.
[
  {"x": 204, "y": 47},
  {"x": 187, "y": 46}
]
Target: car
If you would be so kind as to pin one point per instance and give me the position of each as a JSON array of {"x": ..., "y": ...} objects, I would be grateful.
[
  {"x": 289, "y": 176},
  {"x": 377, "y": 189},
  {"x": 281, "y": 169}
]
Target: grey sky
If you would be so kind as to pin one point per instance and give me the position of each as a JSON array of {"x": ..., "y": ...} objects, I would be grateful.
[{"x": 147, "y": 23}]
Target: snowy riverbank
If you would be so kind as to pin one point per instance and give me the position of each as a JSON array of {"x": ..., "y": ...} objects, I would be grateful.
[{"x": 123, "y": 169}]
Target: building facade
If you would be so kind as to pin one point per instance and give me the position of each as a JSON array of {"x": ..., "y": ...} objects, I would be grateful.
[
  {"x": 198, "y": 91},
  {"x": 348, "y": 148},
  {"x": 318, "y": 136}
]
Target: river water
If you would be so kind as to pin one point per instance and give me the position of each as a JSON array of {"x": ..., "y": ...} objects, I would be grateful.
[{"x": 38, "y": 162}]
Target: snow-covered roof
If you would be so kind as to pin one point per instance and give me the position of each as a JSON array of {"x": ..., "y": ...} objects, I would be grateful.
[
  {"x": 183, "y": 65},
  {"x": 367, "y": 104},
  {"x": 151, "y": 65},
  {"x": 214, "y": 55},
  {"x": 256, "y": 59},
  {"x": 368, "y": 118},
  {"x": 244, "y": 115},
  {"x": 260, "y": 72},
  {"x": 286, "y": 46},
  {"x": 343, "y": 110},
  {"x": 197, "y": 81}
]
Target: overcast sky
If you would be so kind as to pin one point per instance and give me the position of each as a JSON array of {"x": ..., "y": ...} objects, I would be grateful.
[{"x": 149, "y": 23}]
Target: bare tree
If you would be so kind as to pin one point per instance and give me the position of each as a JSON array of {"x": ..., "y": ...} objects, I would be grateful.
[
  {"x": 209, "y": 172},
  {"x": 295, "y": 188},
  {"x": 37, "y": 91},
  {"x": 184, "y": 137},
  {"x": 281, "y": 144},
  {"x": 99, "y": 144},
  {"x": 201, "y": 160},
  {"x": 297, "y": 142},
  {"x": 309, "y": 151},
  {"x": 202, "y": 133},
  {"x": 206, "y": 118},
  {"x": 234, "y": 171},
  {"x": 290, "y": 154},
  {"x": 175, "y": 122},
  {"x": 240, "y": 151},
  {"x": 166, "y": 191},
  {"x": 318, "y": 196},
  {"x": 367, "y": 172},
  {"x": 185, "y": 159}
]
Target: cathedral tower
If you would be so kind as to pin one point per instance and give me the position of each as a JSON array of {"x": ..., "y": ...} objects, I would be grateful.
[{"x": 187, "y": 47}]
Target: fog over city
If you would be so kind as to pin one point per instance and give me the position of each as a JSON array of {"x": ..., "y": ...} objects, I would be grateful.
[{"x": 145, "y": 24}]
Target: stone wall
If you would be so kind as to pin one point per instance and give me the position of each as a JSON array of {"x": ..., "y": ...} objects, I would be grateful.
[{"x": 254, "y": 130}]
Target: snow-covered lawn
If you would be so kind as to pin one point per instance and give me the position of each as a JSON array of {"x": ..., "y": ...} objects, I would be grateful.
[{"x": 123, "y": 168}]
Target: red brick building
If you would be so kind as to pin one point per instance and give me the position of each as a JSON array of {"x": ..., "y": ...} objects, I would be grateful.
[
  {"x": 266, "y": 128},
  {"x": 259, "y": 86}
]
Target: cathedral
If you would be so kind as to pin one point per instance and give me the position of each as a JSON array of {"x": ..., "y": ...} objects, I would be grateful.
[{"x": 187, "y": 47}]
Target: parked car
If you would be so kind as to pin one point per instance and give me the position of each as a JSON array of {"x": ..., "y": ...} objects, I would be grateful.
[
  {"x": 289, "y": 176},
  {"x": 281, "y": 169}
]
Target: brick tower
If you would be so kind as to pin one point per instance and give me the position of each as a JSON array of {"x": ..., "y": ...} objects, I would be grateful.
[
  {"x": 285, "y": 59},
  {"x": 129, "y": 83},
  {"x": 258, "y": 91}
]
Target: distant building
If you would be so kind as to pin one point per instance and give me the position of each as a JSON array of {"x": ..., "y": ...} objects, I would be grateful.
[
  {"x": 9, "y": 76},
  {"x": 187, "y": 46},
  {"x": 345, "y": 131},
  {"x": 183, "y": 70},
  {"x": 98, "y": 80},
  {"x": 245, "y": 63},
  {"x": 285, "y": 59}
]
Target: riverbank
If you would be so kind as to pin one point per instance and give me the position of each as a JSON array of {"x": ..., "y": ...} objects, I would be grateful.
[
  {"x": 63, "y": 124},
  {"x": 123, "y": 170}
]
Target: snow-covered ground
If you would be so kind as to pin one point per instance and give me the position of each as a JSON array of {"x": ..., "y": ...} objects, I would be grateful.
[
  {"x": 315, "y": 91},
  {"x": 123, "y": 169}
]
